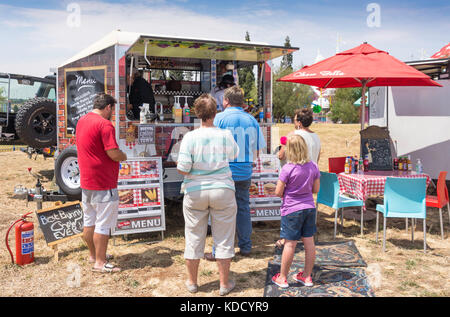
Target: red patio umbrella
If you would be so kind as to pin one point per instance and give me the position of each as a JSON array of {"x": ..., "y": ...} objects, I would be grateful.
[{"x": 362, "y": 66}]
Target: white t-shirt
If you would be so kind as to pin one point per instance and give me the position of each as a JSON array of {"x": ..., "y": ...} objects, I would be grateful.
[{"x": 313, "y": 142}]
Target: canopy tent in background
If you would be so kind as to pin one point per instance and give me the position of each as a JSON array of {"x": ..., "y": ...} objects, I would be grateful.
[{"x": 443, "y": 52}]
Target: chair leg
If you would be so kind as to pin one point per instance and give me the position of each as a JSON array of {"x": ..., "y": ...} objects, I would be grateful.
[
  {"x": 406, "y": 221},
  {"x": 384, "y": 234},
  {"x": 342, "y": 220},
  {"x": 335, "y": 222},
  {"x": 424, "y": 235},
  {"x": 362, "y": 222},
  {"x": 376, "y": 228},
  {"x": 442, "y": 225},
  {"x": 412, "y": 229}
]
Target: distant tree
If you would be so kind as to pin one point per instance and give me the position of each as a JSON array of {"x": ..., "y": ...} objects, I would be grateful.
[
  {"x": 287, "y": 60},
  {"x": 342, "y": 106},
  {"x": 288, "y": 96},
  {"x": 247, "y": 77}
]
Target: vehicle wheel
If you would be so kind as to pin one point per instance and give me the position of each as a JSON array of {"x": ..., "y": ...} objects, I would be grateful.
[
  {"x": 36, "y": 123},
  {"x": 67, "y": 173}
]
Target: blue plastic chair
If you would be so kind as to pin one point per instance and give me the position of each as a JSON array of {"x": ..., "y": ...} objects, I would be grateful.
[
  {"x": 404, "y": 198},
  {"x": 329, "y": 195}
]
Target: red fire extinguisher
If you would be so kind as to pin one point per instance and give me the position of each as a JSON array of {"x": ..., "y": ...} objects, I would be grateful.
[{"x": 24, "y": 241}]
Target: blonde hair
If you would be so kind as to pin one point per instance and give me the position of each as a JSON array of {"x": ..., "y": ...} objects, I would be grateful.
[{"x": 296, "y": 150}]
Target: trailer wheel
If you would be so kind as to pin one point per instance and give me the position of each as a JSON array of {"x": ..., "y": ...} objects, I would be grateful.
[
  {"x": 67, "y": 173},
  {"x": 36, "y": 123}
]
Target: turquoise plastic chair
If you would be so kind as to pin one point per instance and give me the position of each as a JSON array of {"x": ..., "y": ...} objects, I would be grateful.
[
  {"x": 329, "y": 195},
  {"x": 404, "y": 198}
]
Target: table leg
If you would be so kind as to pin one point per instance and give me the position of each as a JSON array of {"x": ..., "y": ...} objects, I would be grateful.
[
  {"x": 406, "y": 221},
  {"x": 412, "y": 229}
]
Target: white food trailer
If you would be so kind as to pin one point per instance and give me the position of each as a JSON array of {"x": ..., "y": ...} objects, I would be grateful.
[
  {"x": 417, "y": 118},
  {"x": 150, "y": 175}
]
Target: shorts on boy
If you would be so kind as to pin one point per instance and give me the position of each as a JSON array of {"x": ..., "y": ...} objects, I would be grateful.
[
  {"x": 298, "y": 224},
  {"x": 100, "y": 209}
]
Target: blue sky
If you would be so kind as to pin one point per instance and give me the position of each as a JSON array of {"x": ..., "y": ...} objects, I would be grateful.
[{"x": 35, "y": 35}]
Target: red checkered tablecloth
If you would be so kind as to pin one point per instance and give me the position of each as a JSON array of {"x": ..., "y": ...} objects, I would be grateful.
[{"x": 371, "y": 183}]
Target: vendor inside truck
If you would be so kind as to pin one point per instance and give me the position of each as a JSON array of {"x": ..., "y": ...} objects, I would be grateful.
[{"x": 140, "y": 92}]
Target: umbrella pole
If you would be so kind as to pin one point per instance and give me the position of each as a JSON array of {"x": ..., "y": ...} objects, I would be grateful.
[{"x": 363, "y": 104}]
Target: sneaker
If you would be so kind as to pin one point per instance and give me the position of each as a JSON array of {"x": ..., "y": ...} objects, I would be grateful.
[
  {"x": 192, "y": 288},
  {"x": 282, "y": 285},
  {"x": 224, "y": 291},
  {"x": 307, "y": 281}
]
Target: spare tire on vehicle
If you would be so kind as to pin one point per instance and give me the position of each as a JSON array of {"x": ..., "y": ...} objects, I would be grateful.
[
  {"x": 36, "y": 123},
  {"x": 67, "y": 173}
]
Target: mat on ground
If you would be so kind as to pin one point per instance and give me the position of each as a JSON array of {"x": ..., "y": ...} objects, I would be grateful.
[{"x": 338, "y": 272}]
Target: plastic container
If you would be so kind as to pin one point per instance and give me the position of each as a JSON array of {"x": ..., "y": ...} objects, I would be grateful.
[
  {"x": 419, "y": 166},
  {"x": 177, "y": 111}
]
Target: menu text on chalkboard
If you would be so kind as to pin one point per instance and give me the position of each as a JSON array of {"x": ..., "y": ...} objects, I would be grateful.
[
  {"x": 81, "y": 86},
  {"x": 146, "y": 134},
  {"x": 61, "y": 222}
]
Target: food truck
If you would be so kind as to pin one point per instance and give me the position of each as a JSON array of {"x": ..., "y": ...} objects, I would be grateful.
[{"x": 178, "y": 70}]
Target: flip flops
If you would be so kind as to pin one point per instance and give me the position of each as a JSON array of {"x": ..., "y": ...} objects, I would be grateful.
[{"x": 107, "y": 268}]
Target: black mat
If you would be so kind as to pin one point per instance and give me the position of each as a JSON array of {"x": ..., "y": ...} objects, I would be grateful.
[{"x": 338, "y": 272}]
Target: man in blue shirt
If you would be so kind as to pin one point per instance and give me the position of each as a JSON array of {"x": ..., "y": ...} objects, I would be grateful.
[{"x": 248, "y": 135}]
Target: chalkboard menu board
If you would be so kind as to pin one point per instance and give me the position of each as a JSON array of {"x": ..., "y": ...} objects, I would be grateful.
[
  {"x": 61, "y": 222},
  {"x": 81, "y": 86},
  {"x": 146, "y": 134},
  {"x": 379, "y": 153}
]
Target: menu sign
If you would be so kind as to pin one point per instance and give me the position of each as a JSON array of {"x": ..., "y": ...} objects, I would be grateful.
[
  {"x": 146, "y": 134},
  {"x": 61, "y": 222},
  {"x": 264, "y": 204},
  {"x": 141, "y": 201},
  {"x": 81, "y": 86}
]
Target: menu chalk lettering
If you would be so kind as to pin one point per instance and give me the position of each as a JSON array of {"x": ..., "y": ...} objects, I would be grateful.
[
  {"x": 82, "y": 86},
  {"x": 61, "y": 222}
]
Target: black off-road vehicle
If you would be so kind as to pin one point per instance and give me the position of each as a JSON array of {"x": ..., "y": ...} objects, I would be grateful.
[{"x": 28, "y": 110}]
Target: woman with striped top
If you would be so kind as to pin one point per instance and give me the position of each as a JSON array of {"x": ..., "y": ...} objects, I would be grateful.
[{"x": 208, "y": 191}]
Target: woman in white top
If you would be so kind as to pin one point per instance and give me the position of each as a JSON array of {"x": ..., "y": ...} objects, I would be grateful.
[{"x": 302, "y": 120}]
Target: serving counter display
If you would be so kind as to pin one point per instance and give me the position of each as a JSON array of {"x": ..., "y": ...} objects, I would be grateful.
[
  {"x": 141, "y": 196},
  {"x": 264, "y": 204}
]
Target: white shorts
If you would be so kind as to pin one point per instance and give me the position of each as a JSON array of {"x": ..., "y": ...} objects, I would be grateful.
[
  {"x": 220, "y": 204},
  {"x": 100, "y": 208}
]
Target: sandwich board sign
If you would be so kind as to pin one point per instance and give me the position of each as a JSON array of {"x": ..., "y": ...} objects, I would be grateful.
[
  {"x": 141, "y": 196},
  {"x": 264, "y": 204},
  {"x": 61, "y": 222}
]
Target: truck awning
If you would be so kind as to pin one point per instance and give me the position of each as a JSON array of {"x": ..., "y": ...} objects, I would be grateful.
[
  {"x": 170, "y": 46},
  {"x": 207, "y": 49}
]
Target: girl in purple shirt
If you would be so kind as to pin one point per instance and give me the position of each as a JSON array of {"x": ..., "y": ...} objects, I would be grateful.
[{"x": 298, "y": 180}]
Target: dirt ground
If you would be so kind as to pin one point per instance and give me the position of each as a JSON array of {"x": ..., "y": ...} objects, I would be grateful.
[{"x": 156, "y": 268}]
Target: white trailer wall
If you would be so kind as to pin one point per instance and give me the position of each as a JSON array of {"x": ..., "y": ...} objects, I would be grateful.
[{"x": 418, "y": 119}]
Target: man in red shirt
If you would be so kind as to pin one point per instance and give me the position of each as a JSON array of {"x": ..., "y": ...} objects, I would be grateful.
[{"x": 98, "y": 161}]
